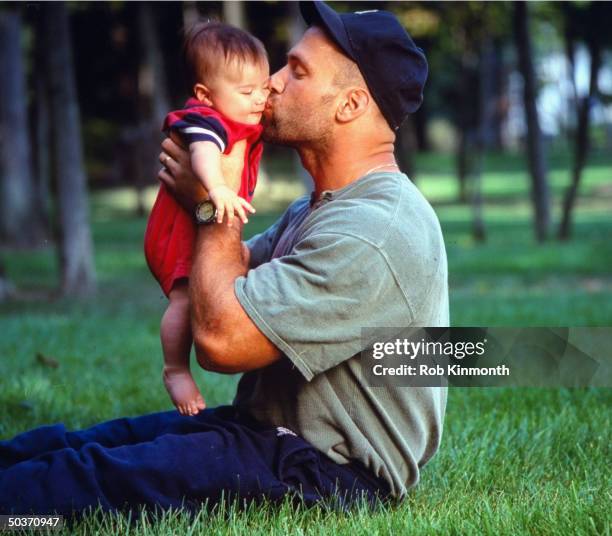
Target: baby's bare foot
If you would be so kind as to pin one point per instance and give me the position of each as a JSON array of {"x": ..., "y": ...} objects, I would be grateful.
[{"x": 183, "y": 390}]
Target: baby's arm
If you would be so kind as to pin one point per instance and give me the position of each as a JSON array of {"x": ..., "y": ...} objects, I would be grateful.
[{"x": 206, "y": 164}]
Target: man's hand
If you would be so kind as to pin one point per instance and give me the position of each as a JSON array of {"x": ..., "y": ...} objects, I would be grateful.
[{"x": 178, "y": 177}]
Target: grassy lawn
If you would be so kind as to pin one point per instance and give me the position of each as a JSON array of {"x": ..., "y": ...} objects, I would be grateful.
[{"x": 512, "y": 460}]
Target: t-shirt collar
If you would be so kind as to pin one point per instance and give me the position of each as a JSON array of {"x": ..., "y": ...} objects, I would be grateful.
[{"x": 328, "y": 195}]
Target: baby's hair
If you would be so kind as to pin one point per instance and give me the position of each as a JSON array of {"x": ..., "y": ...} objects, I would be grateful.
[{"x": 210, "y": 46}]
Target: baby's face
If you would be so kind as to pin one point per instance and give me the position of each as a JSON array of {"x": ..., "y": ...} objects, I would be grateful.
[{"x": 241, "y": 94}]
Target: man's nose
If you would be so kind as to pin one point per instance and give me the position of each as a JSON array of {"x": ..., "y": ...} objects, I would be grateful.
[{"x": 277, "y": 80}]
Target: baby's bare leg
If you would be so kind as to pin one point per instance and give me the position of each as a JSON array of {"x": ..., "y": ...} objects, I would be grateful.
[{"x": 176, "y": 341}]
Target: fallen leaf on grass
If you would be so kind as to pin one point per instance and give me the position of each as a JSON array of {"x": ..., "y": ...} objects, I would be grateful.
[
  {"x": 24, "y": 404},
  {"x": 47, "y": 361}
]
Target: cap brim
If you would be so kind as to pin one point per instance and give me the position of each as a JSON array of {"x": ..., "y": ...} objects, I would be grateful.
[{"x": 320, "y": 14}]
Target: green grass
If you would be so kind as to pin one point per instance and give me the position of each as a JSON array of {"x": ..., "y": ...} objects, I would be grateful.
[{"x": 512, "y": 460}]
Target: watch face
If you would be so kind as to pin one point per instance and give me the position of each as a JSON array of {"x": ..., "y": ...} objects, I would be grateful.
[{"x": 206, "y": 211}]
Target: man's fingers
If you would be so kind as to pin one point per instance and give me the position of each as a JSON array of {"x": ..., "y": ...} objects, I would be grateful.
[
  {"x": 166, "y": 178},
  {"x": 169, "y": 163},
  {"x": 175, "y": 151},
  {"x": 173, "y": 156}
]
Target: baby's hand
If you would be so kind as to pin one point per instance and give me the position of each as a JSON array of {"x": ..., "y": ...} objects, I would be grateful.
[{"x": 227, "y": 202}]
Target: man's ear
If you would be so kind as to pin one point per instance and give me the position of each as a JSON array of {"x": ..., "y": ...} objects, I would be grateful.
[
  {"x": 354, "y": 104},
  {"x": 202, "y": 93}
]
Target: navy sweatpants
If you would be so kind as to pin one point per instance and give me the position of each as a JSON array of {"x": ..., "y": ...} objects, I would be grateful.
[{"x": 165, "y": 460}]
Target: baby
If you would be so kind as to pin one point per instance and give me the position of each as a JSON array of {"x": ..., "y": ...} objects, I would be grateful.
[{"x": 229, "y": 72}]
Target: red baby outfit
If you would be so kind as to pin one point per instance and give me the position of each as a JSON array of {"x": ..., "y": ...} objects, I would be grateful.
[{"x": 170, "y": 233}]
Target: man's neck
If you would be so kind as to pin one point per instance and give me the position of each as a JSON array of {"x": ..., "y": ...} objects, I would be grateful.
[{"x": 334, "y": 169}]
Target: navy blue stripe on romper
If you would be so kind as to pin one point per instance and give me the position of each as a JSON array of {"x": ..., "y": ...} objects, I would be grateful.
[
  {"x": 166, "y": 460},
  {"x": 194, "y": 127}
]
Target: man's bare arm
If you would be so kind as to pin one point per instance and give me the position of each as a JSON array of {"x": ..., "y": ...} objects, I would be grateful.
[{"x": 225, "y": 338}]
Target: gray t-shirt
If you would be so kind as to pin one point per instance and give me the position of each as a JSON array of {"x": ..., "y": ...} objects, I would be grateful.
[{"x": 370, "y": 254}]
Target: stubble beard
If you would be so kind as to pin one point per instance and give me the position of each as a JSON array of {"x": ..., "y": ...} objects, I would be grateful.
[
  {"x": 283, "y": 130},
  {"x": 298, "y": 128}
]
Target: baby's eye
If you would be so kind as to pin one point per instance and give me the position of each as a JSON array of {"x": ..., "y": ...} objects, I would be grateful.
[{"x": 247, "y": 92}]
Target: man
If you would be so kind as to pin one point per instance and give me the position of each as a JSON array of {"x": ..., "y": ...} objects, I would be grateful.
[{"x": 287, "y": 309}]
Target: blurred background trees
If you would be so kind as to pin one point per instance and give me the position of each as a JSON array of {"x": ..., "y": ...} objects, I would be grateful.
[
  {"x": 534, "y": 143},
  {"x": 84, "y": 88},
  {"x": 65, "y": 144},
  {"x": 20, "y": 223}
]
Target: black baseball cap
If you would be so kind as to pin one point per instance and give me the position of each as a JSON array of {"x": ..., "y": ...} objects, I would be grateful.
[{"x": 393, "y": 67}]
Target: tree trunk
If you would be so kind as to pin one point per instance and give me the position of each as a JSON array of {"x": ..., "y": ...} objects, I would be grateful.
[
  {"x": 406, "y": 147},
  {"x": 461, "y": 160},
  {"x": 152, "y": 76},
  {"x": 535, "y": 151},
  {"x": 493, "y": 88},
  {"x": 233, "y": 13},
  {"x": 570, "y": 53},
  {"x": 6, "y": 289},
  {"x": 20, "y": 223},
  {"x": 154, "y": 104},
  {"x": 41, "y": 133},
  {"x": 464, "y": 126},
  {"x": 478, "y": 226},
  {"x": 499, "y": 96},
  {"x": 76, "y": 248},
  {"x": 190, "y": 13},
  {"x": 482, "y": 140},
  {"x": 582, "y": 141},
  {"x": 420, "y": 119}
]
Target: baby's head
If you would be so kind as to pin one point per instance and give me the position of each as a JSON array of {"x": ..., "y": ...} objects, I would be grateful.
[{"x": 228, "y": 70}]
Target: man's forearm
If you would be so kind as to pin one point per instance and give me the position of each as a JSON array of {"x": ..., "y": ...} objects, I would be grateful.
[
  {"x": 225, "y": 338},
  {"x": 218, "y": 261}
]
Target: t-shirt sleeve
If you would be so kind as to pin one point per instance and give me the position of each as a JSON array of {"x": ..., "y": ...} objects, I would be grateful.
[
  {"x": 261, "y": 246},
  {"x": 313, "y": 303},
  {"x": 193, "y": 127}
]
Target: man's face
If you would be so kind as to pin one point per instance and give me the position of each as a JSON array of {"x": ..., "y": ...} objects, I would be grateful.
[{"x": 300, "y": 108}]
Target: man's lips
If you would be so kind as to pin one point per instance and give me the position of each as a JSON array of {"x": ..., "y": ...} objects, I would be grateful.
[
  {"x": 268, "y": 109},
  {"x": 269, "y": 104}
]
